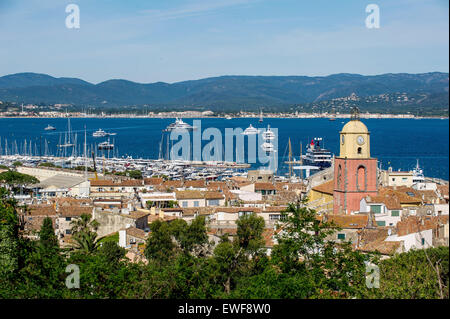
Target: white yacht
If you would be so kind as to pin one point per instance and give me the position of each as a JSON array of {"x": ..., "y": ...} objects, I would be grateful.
[
  {"x": 50, "y": 128},
  {"x": 418, "y": 176},
  {"x": 105, "y": 146},
  {"x": 99, "y": 133},
  {"x": 251, "y": 130},
  {"x": 268, "y": 147},
  {"x": 179, "y": 125},
  {"x": 268, "y": 134}
]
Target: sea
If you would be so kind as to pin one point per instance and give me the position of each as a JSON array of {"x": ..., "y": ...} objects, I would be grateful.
[{"x": 396, "y": 143}]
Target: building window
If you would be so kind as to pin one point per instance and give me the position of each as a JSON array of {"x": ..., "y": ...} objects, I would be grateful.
[
  {"x": 339, "y": 177},
  {"x": 185, "y": 204},
  {"x": 359, "y": 150},
  {"x": 395, "y": 213},
  {"x": 361, "y": 181},
  {"x": 68, "y": 219},
  {"x": 423, "y": 241},
  {"x": 241, "y": 214},
  {"x": 376, "y": 209},
  {"x": 274, "y": 217},
  {"x": 341, "y": 236},
  {"x": 381, "y": 223},
  {"x": 213, "y": 202},
  {"x": 196, "y": 203},
  {"x": 68, "y": 232}
]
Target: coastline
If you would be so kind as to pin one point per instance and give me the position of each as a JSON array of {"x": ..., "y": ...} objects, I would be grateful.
[{"x": 172, "y": 115}]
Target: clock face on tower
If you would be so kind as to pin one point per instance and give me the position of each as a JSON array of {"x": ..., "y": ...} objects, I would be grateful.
[{"x": 360, "y": 140}]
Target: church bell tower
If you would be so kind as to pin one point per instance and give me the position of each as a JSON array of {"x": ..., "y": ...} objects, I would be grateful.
[{"x": 355, "y": 172}]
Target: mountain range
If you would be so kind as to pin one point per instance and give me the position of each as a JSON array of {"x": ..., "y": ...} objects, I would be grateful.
[{"x": 219, "y": 93}]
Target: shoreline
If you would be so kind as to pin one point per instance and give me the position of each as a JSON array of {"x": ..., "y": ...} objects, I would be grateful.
[{"x": 130, "y": 116}]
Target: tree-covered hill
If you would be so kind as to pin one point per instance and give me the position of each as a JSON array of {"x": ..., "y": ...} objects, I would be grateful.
[{"x": 225, "y": 93}]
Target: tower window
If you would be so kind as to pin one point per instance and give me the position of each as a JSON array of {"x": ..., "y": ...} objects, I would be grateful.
[{"x": 359, "y": 150}]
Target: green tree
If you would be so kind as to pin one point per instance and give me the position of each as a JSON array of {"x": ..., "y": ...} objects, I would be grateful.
[
  {"x": 304, "y": 249},
  {"x": 416, "y": 274},
  {"x": 9, "y": 243},
  {"x": 112, "y": 252},
  {"x": 17, "y": 164},
  {"x": 249, "y": 232},
  {"x": 159, "y": 246},
  {"x": 84, "y": 233},
  {"x": 136, "y": 174},
  {"x": 15, "y": 179},
  {"x": 47, "y": 238}
]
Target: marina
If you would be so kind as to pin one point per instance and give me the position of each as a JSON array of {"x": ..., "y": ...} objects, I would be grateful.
[{"x": 142, "y": 138}]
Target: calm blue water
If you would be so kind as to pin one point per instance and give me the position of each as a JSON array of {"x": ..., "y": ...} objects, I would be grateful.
[{"x": 395, "y": 142}]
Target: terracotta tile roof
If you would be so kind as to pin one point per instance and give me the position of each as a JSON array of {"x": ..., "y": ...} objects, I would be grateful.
[
  {"x": 369, "y": 235},
  {"x": 75, "y": 211},
  {"x": 138, "y": 214},
  {"x": 443, "y": 189},
  {"x": 414, "y": 224},
  {"x": 215, "y": 185},
  {"x": 264, "y": 186},
  {"x": 326, "y": 188},
  {"x": 103, "y": 182},
  {"x": 34, "y": 223},
  {"x": 390, "y": 201},
  {"x": 234, "y": 210},
  {"x": 191, "y": 211},
  {"x": 348, "y": 221},
  {"x": 136, "y": 232},
  {"x": 153, "y": 181},
  {"x": 189, "y": 194},
  {"x": 41, "y": 210},
  {"x": 131, "y": 182},
  {"x": 173, "y": 184},
  {"x": 401, "y": 194},
  {"x": 200, "y": 183},
  {"x": 214, "y": 195},
  {"x": 383, "y": 247}
]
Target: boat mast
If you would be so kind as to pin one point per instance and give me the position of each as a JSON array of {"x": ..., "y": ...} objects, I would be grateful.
[{"x": 290, "y": 159}]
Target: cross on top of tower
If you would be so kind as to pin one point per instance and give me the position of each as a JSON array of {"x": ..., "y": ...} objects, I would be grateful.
[{"x": 355, "y": 114}]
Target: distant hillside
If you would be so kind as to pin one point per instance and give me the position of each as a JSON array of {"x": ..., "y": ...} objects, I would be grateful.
[{"x": 226, "y": 92}]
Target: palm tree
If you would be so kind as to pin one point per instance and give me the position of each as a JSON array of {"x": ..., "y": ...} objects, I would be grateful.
[{"x": 84, "y": 233}]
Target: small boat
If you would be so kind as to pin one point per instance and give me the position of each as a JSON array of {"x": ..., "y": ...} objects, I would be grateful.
[
  {"x": 99, "y": 133},
  {"x": 50, "y": 128},
  {"x": 250, "y": 130},
  {"x": 228, "y": 117},
  {"x": 105, "y": 146}
]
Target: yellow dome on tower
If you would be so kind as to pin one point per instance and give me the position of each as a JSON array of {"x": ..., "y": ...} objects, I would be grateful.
[{"x": 355, "y": 126}]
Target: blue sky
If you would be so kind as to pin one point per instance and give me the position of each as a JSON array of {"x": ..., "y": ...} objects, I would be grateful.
[{"x": 176, "y": 40}]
